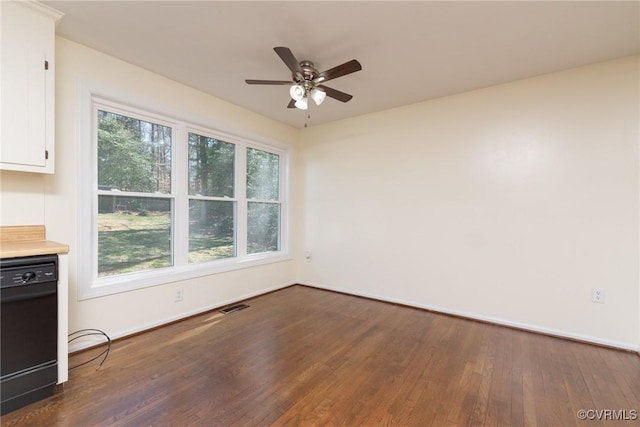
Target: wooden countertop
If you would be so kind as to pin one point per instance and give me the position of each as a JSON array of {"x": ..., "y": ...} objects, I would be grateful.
[
  {"x": 29, "y": 248},
  {"x": 27, "y": 240}
]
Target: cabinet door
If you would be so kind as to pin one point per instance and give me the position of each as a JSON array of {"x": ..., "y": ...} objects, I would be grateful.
[{"x": 26, "y": 93}]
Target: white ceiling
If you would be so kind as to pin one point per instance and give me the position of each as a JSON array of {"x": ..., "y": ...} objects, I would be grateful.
[{"x": 410, "y": 51}]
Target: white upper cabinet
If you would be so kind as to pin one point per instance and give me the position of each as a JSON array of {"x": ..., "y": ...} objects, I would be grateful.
[{"x": 27, "y": 37}]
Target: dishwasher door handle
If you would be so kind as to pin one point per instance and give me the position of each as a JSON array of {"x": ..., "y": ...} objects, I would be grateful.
[{"x": 27, "y": 292}]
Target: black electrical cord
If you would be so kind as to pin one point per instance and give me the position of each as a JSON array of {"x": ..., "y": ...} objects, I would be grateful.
[{"x": 88, "y": 332}]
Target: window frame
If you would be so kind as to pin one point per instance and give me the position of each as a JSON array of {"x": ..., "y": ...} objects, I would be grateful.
[
  {"x": 92, "y": 286},
  {"x": 249, "y": 200},
  {"x": 138, "y": 115},
  {"x": 235, "y": 199}
]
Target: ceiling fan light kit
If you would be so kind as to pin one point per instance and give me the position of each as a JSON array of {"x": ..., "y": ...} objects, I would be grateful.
[
  {"x": 301, "y": 95},
  {"x": 318, "y": 95},
  {"x": 297, "y": 92},
  {"x": 306, "y": 80},
  {"x": 302, "y": 103}
]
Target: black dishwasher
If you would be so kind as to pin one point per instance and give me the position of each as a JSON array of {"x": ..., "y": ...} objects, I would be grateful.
[{"x": 28, "y": 330}]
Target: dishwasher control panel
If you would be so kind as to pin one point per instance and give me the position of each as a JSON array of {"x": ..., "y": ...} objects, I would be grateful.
[{"x": 27, "y": 273}]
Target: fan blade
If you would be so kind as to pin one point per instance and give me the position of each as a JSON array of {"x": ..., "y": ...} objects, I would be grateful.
[
  {"x": 268, "y": 82},
  {"x": 289, "y": 59},
  {"x": 338, "y": 71},
  {"x": 336, "y": 94},
  {"x": 292, "y": 104}
]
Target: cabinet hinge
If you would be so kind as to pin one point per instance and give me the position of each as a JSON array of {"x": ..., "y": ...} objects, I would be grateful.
[
  {"x": 46, "y": 154},
  {"x": 46, "y": 65}
]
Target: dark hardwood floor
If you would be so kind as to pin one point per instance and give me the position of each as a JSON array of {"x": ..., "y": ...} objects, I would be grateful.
[{"x": 304, "y": 357}]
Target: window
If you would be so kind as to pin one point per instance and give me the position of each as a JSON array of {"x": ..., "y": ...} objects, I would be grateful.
[
  {"x": 212, "y": 203},
  {"x": 170, "y": 200},
  {"x": 263, "y": 196},
  {"x": 135, "y": 200}
]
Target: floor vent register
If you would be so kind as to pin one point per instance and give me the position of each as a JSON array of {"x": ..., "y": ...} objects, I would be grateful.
[{"x": 234, "y": 308}]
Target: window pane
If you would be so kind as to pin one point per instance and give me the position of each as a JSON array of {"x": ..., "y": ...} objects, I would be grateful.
[
  {"x": 263, "y": 227},
  {"x": 133, "y": 155},
  {"x": 134, "y": 234},
  {"x": 263, "y": 175},
  {"x": 211, "y": 166},
  {"x": 211, "y": 230}
]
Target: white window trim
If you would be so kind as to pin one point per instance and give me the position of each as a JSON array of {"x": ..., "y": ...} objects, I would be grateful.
[{"x": 89, "y": 286}]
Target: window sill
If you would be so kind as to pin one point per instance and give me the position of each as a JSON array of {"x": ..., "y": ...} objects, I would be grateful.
[{"x": 128, "y": 282}]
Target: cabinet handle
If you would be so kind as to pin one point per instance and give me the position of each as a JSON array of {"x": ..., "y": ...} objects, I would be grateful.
[{"x": 46, "y": 65}]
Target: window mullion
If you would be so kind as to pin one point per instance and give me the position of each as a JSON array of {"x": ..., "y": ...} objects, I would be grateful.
[
  {"x": 181, "y": 200},
  {"x": 241, "y": 196},
  {"x": 263, "y": 201}
]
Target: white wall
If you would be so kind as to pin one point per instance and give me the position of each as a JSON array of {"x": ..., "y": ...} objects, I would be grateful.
[
  {"x": 22, "y": 198},
  {"x": 136, "y": 310},
  {"x": 508, "y": 203}
]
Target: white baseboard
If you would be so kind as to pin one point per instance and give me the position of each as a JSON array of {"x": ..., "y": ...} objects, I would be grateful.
[
  {"x": 73, "y": 347},
  {"x": 488, "y": 319}
]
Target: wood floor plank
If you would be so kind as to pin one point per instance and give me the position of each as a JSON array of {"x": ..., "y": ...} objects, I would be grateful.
[{"x": 307, "y": 357}]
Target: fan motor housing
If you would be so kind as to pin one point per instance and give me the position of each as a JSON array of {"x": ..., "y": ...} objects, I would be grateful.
[{"x": 309, "y": 72}]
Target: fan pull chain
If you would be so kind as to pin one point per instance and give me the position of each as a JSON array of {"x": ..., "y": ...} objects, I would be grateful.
[{"x": 308, "y": 115}]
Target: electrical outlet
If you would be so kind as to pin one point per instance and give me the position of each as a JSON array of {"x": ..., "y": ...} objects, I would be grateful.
[
  {"x": 307, "y": 256},
  {"x": 179, "y": 295},
  {"x": 598, "y": 295}
]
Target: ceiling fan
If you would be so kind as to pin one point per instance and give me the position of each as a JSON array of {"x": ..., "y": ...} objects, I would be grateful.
[{"x": 307, "y": 81}]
